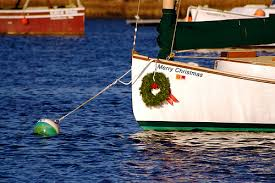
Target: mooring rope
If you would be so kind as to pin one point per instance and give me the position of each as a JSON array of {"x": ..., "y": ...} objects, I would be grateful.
[
  {"x": 90, "y": 99},
  {"x": 106, "y": 88}
]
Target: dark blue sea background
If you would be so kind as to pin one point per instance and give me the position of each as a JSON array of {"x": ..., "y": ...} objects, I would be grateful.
[{"x": 46, "y": 77}]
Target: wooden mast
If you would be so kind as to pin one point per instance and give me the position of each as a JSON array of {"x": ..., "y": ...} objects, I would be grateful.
[
  {"x": 168, "y": 4},
  {"x": 26, "y": 4}
]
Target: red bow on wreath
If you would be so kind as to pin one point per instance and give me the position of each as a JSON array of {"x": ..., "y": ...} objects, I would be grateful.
[{"x": 170, "y": 99}]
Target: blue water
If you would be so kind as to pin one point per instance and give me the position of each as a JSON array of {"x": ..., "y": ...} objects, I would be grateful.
[{"x": 46, "y": 77}]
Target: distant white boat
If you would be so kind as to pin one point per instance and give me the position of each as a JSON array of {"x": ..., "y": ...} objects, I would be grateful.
[
  {"x": 201, "y": 14},
  {"x": 252, "y": 9}
]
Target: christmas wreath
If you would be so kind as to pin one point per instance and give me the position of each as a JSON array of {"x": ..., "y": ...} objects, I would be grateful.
[{"x": 161, "y": 84}]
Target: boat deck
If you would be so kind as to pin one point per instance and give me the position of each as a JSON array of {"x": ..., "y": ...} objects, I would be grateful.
[{"x": 261, "y": 60}]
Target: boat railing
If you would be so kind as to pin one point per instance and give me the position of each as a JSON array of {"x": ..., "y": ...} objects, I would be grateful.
[{"x": 77, "y": 4}]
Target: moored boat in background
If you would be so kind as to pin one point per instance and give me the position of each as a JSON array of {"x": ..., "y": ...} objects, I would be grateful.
[
  {"x": 200, "y": 14},
  {"x": 213, "y": 34},
  {"x": 254, "y": 9},
  {"x": 43, "y": 20},
  {"x": 203, "y": 13},
  {"x": 236, "y": 17}
]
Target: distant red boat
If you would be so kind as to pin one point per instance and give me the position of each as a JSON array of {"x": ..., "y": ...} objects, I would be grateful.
[{"x": 45, "y": 20}]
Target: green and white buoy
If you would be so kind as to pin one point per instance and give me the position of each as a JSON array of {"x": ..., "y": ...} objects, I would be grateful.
[
  {"x": 46, "y": 128},
  {"x": 50, "y": 128}
]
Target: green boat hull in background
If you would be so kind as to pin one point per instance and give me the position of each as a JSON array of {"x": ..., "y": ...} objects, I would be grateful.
[{"x": 213, "y": 34}]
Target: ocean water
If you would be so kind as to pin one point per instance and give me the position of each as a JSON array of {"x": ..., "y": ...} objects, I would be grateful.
[{"x": 46, "y": 77}]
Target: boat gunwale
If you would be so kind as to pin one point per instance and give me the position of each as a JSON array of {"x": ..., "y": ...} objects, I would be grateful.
[
  {"x": 248, "y": 62},
  {"x": 207, "y": 70},
  {"x": 39, "y": 10},
  {"x": 37, "y": 16}
]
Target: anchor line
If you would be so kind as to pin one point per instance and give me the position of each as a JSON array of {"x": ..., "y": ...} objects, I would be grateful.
[{"x": 105, "y": 89}]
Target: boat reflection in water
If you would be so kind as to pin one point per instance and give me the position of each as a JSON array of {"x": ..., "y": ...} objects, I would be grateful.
[{"x": 208, "y": 156}]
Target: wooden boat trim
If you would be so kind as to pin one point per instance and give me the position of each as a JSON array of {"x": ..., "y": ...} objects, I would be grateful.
[
  {"x": 254, "y": 61},
  {"x": 39, "y": 10},
  {"x": 39, "y": 16},
  {"x": 207, "y": 70}
]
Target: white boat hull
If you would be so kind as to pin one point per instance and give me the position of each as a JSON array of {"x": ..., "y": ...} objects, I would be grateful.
[
  {"x": 239, "y": 67},
  {"x": 207, "y": 98}
]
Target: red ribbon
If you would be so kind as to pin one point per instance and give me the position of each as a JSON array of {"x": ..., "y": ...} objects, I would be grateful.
[
  {"x": 154, "y": 86},
  {"x": 171, "y": 99}
]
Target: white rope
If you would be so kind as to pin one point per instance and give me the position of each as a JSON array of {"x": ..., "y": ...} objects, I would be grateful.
[
  {"x": 124, "y": 83},
  {"x": 156, "y": 68},
  {"x": 106, "y": 88},
  {"x": 143, "y": 70},
  {"x": 90, "y": 99},
  {"x": 136, "y": 27},
  {"x": 175, "y": 29}
]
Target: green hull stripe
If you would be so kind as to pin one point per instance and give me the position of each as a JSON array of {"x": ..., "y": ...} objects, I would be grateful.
[{"x": 206, "y": 126}]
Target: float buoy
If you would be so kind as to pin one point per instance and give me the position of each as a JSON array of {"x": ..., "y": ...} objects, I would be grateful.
[
  {"x": 24, "y": 21},
  {"x": 46, "y": 128}
]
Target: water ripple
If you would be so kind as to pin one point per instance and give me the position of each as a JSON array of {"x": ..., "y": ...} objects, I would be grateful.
[{"x": 46, "y": 77}]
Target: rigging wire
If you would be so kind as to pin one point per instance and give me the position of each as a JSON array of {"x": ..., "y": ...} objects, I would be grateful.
[
  {"x": 175, "y": 29},
  {"x": 136, "y": 27}
]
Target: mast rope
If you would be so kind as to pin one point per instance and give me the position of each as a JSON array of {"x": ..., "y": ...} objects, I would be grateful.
[
  {"x": 106, "y": 88},
  {"x": 174, "y": 34},
  {"x": 136, "y": 27}
]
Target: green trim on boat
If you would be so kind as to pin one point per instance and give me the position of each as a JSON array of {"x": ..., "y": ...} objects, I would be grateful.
[
  {"x": 166, "y": 32},
  {"x": 206, "y": 126},
  {"x": 213, "y": 34}
]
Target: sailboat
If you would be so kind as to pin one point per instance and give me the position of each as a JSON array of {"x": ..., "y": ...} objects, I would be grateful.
[
  {"x": 43, "y": 20},
  {"x": 237, "y": 94}
]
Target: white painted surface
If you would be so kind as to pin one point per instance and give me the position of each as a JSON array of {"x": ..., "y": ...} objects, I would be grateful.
[{"x": 210, "y": 98}]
